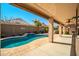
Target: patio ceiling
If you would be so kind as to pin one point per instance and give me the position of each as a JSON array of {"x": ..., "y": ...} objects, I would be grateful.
[{"x": 60, "y": 12}]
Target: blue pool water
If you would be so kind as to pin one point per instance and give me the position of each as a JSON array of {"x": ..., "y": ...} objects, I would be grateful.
[{"x": 18, "y": 41}]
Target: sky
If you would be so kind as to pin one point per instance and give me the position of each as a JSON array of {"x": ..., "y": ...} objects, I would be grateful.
[{"x": 8, "y": 11}]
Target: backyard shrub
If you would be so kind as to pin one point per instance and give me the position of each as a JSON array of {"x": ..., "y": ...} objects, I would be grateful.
[
  {"x": 2, "y": 35},
  {"x": 66, "y": 32},
  {"x": 36, "y": 32},
  {"x": 46, "y": 29}
]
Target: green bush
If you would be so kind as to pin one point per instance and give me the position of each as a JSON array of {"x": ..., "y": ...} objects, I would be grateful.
[
  {"x": 46, "y": 29},
  {"x": 2, "y": 35},
  {"x": 36, "y": 32},
  {"x": 66, "y": 32}
]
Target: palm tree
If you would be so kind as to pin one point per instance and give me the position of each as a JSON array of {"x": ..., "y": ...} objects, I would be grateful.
[{"x": 37, "y": 23}]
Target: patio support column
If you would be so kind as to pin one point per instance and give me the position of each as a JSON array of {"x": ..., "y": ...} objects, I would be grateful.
[
  {"x": 63, "y": 30},
  {"x": 60, "y": 29},
  {"x": 51, "y": 30},
  {"x": 70, "y": 32}
]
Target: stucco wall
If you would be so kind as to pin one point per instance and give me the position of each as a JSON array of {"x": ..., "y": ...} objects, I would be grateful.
[
  {"x": 0, "y": 30},
  {"x": 10, "y": 30}
]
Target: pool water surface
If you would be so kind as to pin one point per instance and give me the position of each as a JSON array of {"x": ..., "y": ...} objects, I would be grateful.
[{"x": 18, "y": 41}]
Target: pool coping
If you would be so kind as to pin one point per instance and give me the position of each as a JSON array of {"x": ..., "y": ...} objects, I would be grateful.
[
  {"x": 14, "y": 36},
  {"x": 21, "y": 36}
]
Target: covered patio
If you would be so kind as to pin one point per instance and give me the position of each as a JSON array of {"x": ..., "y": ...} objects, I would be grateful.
[{"x": 59, "y": 13}]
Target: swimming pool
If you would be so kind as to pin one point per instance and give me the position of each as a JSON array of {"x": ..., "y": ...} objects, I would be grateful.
[{"x": 18, "y": 41}]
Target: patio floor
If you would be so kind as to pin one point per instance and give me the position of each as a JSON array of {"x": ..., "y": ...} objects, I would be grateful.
[{"x": 60, "y": 47}]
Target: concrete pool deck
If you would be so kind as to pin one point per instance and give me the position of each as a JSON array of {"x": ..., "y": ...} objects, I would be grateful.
[
  {"x": 42, "y": 47},
  {"x": 23, "y": 49}
]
